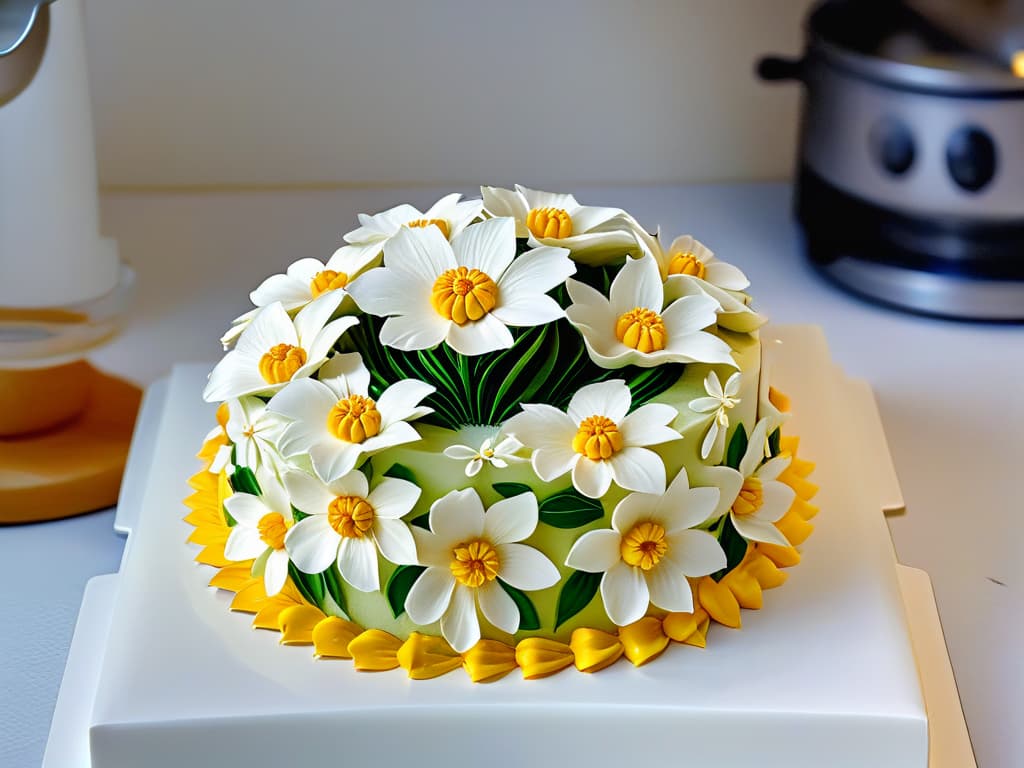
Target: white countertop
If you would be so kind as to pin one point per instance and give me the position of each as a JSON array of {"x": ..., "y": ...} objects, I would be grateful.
[{"x": 949, "y": 395}]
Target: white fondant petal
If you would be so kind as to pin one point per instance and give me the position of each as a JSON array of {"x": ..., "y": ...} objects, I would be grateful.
[
  {"x": 646, "y": 425},
  {"x": 423, "y": 330},
  {"x": 392, "y": 498},
  {"x": 638, "y": 284},
  {"x": 312, "y": 544},
  {"x": 528, "y": 310},
  {"x": 457, "y": 516},
  {"x": 345, "y": 374},
  {"x": 476, "y": 338},
  {"x": 402, "y": 400},
  {"x": 595, "y": 551},
  {"x": 245, "y": 508},
  {"x": 726, "y": 276},
  {"x": 778, "y": 498},
  {"x": 430, "y": 595},
  {"x": 307, "y": 493},
  {"x": 275, "y": 572},
  {"x": 357, "y": 561},
  {"x": 755, "y": 449},
  {"x": 511, "y": 519},
  {"x": 591, "y": 478},
  {"x": 421, "y": 253},
  {"x": 395, "y": 541},
  {"x": 525, "y": 567},
  {"x": 688, "y": 509},
  {"x": 694, "y": 553},
  {"x": 244, "y": 543},
  {"x": 305, "y": 400},
  {"x": 607, "y": 398},
  {"x": 488, "y": 246},
  {"x": 542, "y": 426},
  {"x": 550, "y": 463},
  {"x": 334, "y": 459},
  {"x": 634, "y": 508},
  {"x": 754, "y": 529},
  {"x": 669, "y": 589},
  {"x": 459, "y": 624},
  {"x": 774, "y": 467},
  {"x": 506, "y": 202},
  {"x": 536, "y": 272},
  {"x": 638, "y": 469},
  {"x": 625, "y": 594},
  {"x": 498, "y": 608},
  {"x": 270, "y": 326}
]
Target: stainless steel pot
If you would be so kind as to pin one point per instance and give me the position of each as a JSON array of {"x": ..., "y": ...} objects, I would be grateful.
[{"x": 910, "y": 185}]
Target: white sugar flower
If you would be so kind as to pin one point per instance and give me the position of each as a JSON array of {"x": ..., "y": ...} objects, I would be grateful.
[
  {"x": 262, "y": 523},
  {"x": 348, "y": 524},
  {"x": 465, "y": 292},
  {"x": 274, "y": 349},
  {"x": 689, "y": 268},
  {"x": 254, "y": 431},
  {"x": 301, "y": 283},
  {"x": 651, "y": 550},
  {"x": 753, "y": 496},
  {"x": 448, "y": 216},
  {"x": 337, "y": 423},
  {"x": 597, "y": 441},
  {"x": 468, "y": 554},
  {"x": 308, "y": 279},
  {"x": 634, "y": 327},
  {"x": 594, "y": 235},
  {"x": 498, "y": 455},
  {"x": 718, "y": 403}
]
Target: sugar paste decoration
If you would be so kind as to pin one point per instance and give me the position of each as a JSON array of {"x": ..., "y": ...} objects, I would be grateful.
[{"x": 512, "y": 432}]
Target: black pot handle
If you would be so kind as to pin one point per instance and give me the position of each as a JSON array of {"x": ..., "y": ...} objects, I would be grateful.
[{"x": 778, "y": 68}]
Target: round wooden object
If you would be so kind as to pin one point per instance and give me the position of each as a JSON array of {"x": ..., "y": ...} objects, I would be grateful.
[{"x": 75, "y": 466}]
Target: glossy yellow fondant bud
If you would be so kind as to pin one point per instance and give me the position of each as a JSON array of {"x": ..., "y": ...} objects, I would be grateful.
[
  {"x": 641, "y": 329},
  {"x": 354, "y": 419},
  {"x": 464, "y": 295},
  {"x": 598, "y": 438},
  {"x": 281, "y": 362},
  {"x": 549, "y": 222}
]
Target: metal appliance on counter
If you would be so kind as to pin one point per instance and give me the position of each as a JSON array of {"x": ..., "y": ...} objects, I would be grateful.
[{"x": 910, "y": 184}]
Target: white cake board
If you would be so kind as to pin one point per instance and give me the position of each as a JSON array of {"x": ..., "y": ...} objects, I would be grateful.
[{"x": 825, "y": 675}]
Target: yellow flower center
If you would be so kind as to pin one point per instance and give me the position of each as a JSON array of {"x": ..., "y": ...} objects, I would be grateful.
[
  {"x": 686, "y": 264},
  {"x": 751, "y": 497},
  {"x": 281, "y": 362},
  {"x": 642, "y": 329},
  {"x": 327, "y": 280},
  {"x": 474, "y": 563},
  {"x": 350, "y": 516},
  {"x": 354, "y": 418},
  {"x": 549, "y": 222},
  {"x": 644, "y": 545},
  {"x": 439, "y": 223},
  {"x": 272, "y": 528},
  {"x": 597, "y": 438},
  {"x": 464, "y": 294}
]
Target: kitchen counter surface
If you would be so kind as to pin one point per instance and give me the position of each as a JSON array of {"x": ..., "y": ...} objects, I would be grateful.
[{"x": 949, "y": 395}]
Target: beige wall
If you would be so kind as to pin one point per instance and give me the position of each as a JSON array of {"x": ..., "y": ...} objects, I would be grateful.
[{"x": 241, "y": 92}]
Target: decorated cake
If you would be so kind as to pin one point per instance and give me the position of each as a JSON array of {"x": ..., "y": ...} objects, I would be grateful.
[{"x": 508, "y": 432}]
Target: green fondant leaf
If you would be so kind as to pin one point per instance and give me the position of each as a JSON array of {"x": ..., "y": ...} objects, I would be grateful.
[
  {"x": 401, "y": 472},
  {"x": 367, "y": 469},
  {"x": 298, "y": 514},
  {"x": 512, "y": 378},
  {"x": 244, "y": 481},
  {"x": 576, "y": 595},
  {"x": 508, "y": 490},
  {"x": 528, "y": 618},
  {"x": 332, "y": 580},
  {"x": 734, "y": 545},
  {"x": 399, "y": 584},
  {"x": 775, "y": 442},
  {"x": 737, "y": 447},
  {"x": 423, "y": 521},
  {"x": 570, "y": 509},
  {"x": 310, "y": 585}
]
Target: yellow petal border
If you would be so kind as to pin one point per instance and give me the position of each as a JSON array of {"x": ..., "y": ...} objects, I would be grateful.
[{"x": 425, "y": 656}]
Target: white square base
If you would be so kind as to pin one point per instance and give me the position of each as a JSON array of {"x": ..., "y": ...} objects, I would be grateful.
[{"x": 824, "y": 675}]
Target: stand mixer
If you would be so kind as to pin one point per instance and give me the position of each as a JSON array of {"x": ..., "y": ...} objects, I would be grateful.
[{"x": 64, "y": 427}]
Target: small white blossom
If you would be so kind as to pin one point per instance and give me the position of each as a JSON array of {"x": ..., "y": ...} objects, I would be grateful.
[{"x": 499, "y": 456}]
